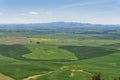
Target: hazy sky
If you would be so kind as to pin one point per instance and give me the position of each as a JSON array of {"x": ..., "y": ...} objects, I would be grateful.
[{"x": 35, "y": 11}]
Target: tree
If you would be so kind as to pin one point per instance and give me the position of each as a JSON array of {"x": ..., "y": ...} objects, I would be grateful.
[
  {"x": 37, "y": 42},
  {"x": 30, "y": 41},
  {"x": 96, "y": 76}
]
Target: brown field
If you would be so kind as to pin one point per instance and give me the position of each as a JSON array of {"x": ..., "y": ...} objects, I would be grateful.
[
  {"x": 14, "y": 40},
  {"x": 3, "y": 77}
]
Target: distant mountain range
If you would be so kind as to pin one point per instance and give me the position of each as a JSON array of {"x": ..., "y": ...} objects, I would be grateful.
[{"x": 59, "y": 24}]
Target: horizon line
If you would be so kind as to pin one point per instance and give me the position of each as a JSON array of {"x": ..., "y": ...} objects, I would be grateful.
[{"x": 56, "y": 22}]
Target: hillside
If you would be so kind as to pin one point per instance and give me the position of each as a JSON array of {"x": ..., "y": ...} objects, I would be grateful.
[{"x": 59, "y": 54}]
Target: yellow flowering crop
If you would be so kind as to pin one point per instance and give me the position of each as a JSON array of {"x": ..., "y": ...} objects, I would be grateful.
[{"x": 43, "y": 39}]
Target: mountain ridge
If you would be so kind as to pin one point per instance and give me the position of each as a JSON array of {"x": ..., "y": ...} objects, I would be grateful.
[{"x": 61, "y": 24}]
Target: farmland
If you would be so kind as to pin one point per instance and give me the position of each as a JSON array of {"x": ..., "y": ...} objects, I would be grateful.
[{"x": 48, "y": 53}]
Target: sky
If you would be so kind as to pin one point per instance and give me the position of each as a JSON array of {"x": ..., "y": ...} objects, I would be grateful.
[{"x": 44, "y": 11}]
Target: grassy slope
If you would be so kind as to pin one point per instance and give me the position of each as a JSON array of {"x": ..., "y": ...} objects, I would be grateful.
[
  {"x": 49, "y": 52},
  {"x": 17, "y": 67},
  {"x": 107, "y": 65},
  {"x": 86, "y": 52},
  {"x": 20, "y": 69},
  {"x": 66, "y": 75}
]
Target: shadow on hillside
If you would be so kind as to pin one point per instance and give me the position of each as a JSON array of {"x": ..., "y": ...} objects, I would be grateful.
[
  {"x": 14, "y": 51},
  {"x": 113, "y": 45},
  {"x": 86, "y": 52},
  {"x": 17, "y": 51},
  {"x": 82, "y": 52}
]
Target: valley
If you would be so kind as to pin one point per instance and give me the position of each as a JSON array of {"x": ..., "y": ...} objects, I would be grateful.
[{"x": 59, "y": 53}]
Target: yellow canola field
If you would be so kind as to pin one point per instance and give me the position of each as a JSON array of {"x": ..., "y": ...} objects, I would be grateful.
[{"x": 43, "y": 39}]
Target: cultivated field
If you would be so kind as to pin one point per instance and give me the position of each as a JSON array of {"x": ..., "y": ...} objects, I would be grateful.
[{"x": 58, "y": 56}]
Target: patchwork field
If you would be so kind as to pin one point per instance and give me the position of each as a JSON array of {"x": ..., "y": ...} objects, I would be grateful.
[{"x": 58, "y": 57}]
